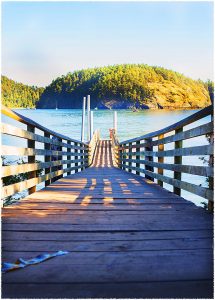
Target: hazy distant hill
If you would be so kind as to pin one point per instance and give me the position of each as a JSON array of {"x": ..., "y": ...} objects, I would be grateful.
[
  {"x": 15, "y": 94},
  {"x": 118, "y": 86}
]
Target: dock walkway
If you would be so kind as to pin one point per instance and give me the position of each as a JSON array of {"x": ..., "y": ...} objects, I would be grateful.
[{"x": 127, "y": 237}]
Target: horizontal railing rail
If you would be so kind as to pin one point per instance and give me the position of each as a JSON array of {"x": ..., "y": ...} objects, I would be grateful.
[
  {"x": 60, "y": 153},
  {"x": 134, "y": 153}
]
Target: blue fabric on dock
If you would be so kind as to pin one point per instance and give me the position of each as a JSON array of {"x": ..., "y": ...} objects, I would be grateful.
[{"x": 21, "y": 263}]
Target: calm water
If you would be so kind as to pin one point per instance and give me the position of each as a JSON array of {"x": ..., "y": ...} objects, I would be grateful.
[{"x": 130, "y": 124}]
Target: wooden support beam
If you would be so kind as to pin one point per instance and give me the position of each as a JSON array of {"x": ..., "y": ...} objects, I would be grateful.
[
  {"x": 160, "y": 159},
  {"x": 149, "y": 158},
  {"x": 76, "y": 157},
  {"x": 130, "y": 157},
  {"x": 211, "y": 164},
  {"x": 69, "y": 158},
  {"x": 137, "y": 156},
  {"x": 178, "y": 161},
  {"x": 47, "y": 158},
  {"x": 31, "y": 159}
]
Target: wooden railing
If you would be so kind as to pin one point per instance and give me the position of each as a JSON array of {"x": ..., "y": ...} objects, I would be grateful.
[
  {"x": 115, "y": 146},
  {"x": 140, "y": 151},
  {"x": 92, "y": 146},
  {"x": 55, "y": 147}
]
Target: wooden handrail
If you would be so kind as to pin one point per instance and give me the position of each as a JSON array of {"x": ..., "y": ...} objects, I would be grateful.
[
  {"x": 92, "y": 146},
  {"x": 134, "y": 153},
  {"x": 55, "y": 147},
  {"x": 20, "y": 118},
  {"x": 115, "y": 146},
  {"x": 194, "y": 117}
]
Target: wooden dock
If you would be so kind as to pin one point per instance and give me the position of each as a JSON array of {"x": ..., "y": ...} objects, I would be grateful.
[{"x": 127, "y": 237}]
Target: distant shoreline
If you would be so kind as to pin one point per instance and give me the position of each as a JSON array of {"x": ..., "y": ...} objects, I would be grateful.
[{"x": 104, "y": 109}]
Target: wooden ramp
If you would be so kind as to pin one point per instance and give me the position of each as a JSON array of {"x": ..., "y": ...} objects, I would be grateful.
[{"x": 127, "y": 238}]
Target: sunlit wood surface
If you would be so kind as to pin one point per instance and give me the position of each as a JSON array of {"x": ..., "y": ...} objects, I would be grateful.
[{"x": 127, "y": 238}]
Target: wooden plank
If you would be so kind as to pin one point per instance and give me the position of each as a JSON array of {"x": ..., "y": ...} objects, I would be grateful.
[
  {"x": 104, "y": 219},
  {"x": 47, "y": 146},
  {"x": 188, "y": 134},
  {"x": 76, "y": 157},
  {"x": 137, "y": 156},
  {"x": 195, "y": 170},
  {"x": 69, "y": 158},
  {"x": 184, "y": 135},
  {"x": 211, "y": 164},
  {"x": 144, "y": 290},
  {"x": 178, "y": 161},
  {"x": 55, "y": 208},
  {"x": 18, "y": 169},
  {"x": 189, "y": 151},
  {"x": 103, "y": 236},
  {"x": 88, "y": 227},
  {"x": 160, "y": 159},
  {"x": 18, "y": 132},
  {"x": 149, "y": 158},
  {"x": 11, "y": 150},
  {"x": 130, "y": 150},
  {"x": 31, "y": 159},
  {"x": 114, "y": 246},
  {"x": 188, "y": 268}
]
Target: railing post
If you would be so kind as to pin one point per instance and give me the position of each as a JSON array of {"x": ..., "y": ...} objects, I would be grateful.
[
  {"x": 87, "y": 150},
  {"x": 149, "y": 158},
  {"x": 120, "y": 156},
  {"x": 47, "y": 158},
  {"x": 137, "y": 156},
  {"x": 82, "y": 158},
  {"x": 211, "y": 164},
  {"x": 123, "y": 156},
  {"x": 178, "y": 161},
  {"x": 76, "y": 157},
  {"x": 130, "y": 157},
  {"x": 68, "y": 157},
  {"x": 160, "y": 159},
  {"x": 86, "y": 157},
  {"x": 60, "y": 158},
  {"x": 31, "y": 159},
  {"x": 116, "y": 155}
]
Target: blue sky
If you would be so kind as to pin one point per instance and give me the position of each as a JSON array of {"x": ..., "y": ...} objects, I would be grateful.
[{"x": 44, "y": 40}]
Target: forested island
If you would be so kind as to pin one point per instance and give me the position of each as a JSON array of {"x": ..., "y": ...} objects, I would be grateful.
[
  {"x": 18, "y": 95},
  {"x": 120, "y": 86}
]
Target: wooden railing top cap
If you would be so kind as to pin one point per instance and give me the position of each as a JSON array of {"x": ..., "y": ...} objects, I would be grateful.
[
  {"x": 18, "y": 117},
  {"x": 194, "y": 117}
]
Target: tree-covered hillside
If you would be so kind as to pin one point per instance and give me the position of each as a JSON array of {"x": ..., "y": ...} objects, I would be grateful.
[
  {"x": 119, "y": 86},
  {"x": 17, "y": 95},
  {"x": 124, "y": 86}
]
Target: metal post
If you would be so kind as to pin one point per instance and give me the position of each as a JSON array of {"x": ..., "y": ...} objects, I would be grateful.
[
  {"x": 88, "y": 117},
  {"x": 115, "y": 121},
  {"x": 83, "y": 119},
  {"x": 91, "y": 124}
]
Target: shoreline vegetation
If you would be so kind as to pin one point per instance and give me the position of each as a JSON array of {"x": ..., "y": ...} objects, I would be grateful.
[{"x": 128, "y": 86}]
